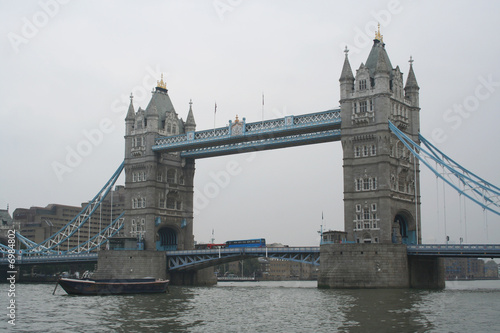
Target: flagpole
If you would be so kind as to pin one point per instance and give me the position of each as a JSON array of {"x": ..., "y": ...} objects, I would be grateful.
[
  {"x": 262, "y": 110},
  {"x": 215, "y": 113}
]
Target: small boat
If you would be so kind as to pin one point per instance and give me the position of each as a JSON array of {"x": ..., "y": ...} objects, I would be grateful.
[{"x": 113, "y": 286}]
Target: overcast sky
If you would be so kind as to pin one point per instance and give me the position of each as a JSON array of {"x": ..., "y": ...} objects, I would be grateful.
[{"x": 68, "y": 68}]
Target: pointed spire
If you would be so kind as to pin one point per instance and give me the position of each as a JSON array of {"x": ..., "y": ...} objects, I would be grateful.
[
  {"x": 131, "y": 111},
  {"x": 346, "y": 70},
  {"x": 411, "y": 81},
  {"x": 381, "y": 65},
  {"x": 190, "y": 123}
]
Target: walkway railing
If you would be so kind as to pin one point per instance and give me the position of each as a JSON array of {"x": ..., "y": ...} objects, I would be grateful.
[{"x": 240, "y": 136}]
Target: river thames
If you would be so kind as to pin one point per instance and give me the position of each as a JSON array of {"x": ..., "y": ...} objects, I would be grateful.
[{"x": 464, "y": 306}]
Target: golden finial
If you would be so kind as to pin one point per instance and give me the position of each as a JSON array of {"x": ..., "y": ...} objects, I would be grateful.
[
  {"x": 378, "y": 36},
  {"x": 236, "y": 120},
  {"x": 161, "y": 83}
]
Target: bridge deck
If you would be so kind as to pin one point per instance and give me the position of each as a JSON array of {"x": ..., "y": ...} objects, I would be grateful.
[{"x": 196, "y": 259}]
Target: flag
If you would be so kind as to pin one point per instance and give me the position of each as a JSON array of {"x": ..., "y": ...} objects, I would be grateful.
[
  {"x": 215, "y": 107},
  {"x": 262, "y": 98},
  {"x": 321, "y": 215}
]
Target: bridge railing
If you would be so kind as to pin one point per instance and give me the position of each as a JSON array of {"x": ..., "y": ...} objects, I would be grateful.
[
  {"x": 463, "y": 250},
  {"x": 268, "y": 127}
]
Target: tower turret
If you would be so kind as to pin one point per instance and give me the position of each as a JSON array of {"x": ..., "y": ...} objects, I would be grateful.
[
  {"x": 190, "y": 124},
  {"x": 130, "y": 118},
  {"x": 346, "y": 78},
  {"x": 411, "y": 87}
]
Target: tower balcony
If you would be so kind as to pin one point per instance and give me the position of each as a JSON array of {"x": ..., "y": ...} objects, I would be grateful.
[{"x": 362, "y": 118}]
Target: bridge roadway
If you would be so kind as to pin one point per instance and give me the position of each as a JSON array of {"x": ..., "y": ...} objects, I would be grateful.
[{"x": 197, "y": 259}]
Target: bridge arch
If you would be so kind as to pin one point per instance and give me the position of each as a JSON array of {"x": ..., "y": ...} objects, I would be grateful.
[
  {"x": 404, "y": 231},
  {"x": 167, "y": 239}
]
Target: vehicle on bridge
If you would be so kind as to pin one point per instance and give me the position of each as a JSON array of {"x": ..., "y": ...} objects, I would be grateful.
[{"x": 259, "y": 242}]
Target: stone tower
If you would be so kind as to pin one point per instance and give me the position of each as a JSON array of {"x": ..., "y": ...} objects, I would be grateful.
[
  {"x": 159, "y": 186},
  {"x": 381, "y": 177}
]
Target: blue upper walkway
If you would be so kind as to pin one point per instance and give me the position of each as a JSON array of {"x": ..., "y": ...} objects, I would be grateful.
[{"x": 239, "y": 136}]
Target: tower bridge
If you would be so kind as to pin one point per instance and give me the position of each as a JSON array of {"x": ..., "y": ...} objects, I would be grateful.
[{"x": 378, "y": 126}]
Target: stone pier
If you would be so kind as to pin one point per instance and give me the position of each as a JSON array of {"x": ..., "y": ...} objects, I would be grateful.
[{"x": 377, "y": 266}]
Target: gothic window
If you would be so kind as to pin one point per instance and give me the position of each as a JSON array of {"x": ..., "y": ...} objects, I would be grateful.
[
  {"x": 143, "y": 176},
  {"x": 354, "y": 107},
  {"x": 178, "y": 205},
  {"x": 374, "y": 183},
  {"x": 171, "y": 176},
  {"x": 362, "y": 106},
  {"x": 174, "y": 129},
  {"x": 366, "y": 214},
  {"x": 357, "y": 151},
  {"x": 181, "y": 180},
  {"x": 401, "y": 183},
  {"x": 358, "y": 208},
  {"x": 366, "y": 184},
  {"x": 359, "y": 184},
  {"x": 371, "y": 105},
  {"x": 133, "y": 177},
  {"x": 362, "y": 84},
  {"x": 169, "y": 127},
  {"x": 143, "y": 202},
  {"x": 400, "y": 150},
  {"x": 367, "y": 225},
  {"x": 365, "y": 151},
  {"x": 159, "y": 176},
  {"x": 359, "y": 225},
  {"x": 142, "y": 141},
  {"x": 170, "y": 202},
  {"x": 374, "y": 207},
  {"x": 374, "y": 150}
]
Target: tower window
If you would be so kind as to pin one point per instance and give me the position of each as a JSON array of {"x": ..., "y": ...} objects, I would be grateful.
[
  {"x": 362, "y": 84},
  {"x": 374, "y": 150},
  {"x": 359, "y": 184},
  {"x": 357, "y": 151},
  {"x": 171, "y": 176},
  {"x": 362, "y": 106}
]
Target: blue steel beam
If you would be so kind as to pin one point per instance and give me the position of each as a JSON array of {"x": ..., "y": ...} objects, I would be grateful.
[
  {"x": 239, "y": 137},
  {"x": 263, "y": 144},
  {"x": 481, "y": 192},
  {"x": 198, "y": 259},
  {"x": 462, "y": 250},
  {"x": 53, "y": 259}
]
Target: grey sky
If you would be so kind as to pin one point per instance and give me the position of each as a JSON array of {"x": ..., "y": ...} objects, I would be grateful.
[{"x": 68, "y": 68}]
